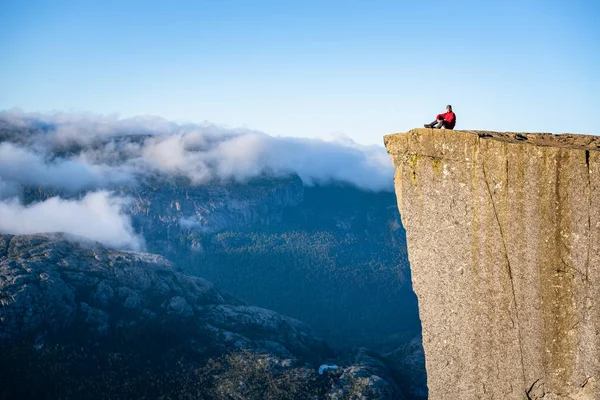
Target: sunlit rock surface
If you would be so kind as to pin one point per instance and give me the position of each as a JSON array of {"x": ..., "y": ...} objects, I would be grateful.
[{"x": 503, "y": 234}]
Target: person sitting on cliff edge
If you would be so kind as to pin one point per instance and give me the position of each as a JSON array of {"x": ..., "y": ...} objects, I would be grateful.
[{"x": 444, "y": 121}]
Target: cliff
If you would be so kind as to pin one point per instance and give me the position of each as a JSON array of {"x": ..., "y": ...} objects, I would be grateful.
[{"x": 503, "y": 233}]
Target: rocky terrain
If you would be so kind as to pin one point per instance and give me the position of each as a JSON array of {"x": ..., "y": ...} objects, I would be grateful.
[
  {"x": 307, "y": 252},
  {"x": 78, "y": 320},
  {"x": 329, "y": 254},
  {"x": 504, "y": 233}
]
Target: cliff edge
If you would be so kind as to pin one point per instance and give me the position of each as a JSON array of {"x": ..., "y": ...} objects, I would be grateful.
[{"x": 503, "y": 234}]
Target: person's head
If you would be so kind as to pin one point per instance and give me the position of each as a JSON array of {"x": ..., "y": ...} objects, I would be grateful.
[{"x": 448, "y": 108}]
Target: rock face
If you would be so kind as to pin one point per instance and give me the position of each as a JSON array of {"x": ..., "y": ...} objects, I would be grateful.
[
  {"x": 168, "y": 206},
  {"x": 83, "y": 321},
  {"x": 276, "y": 231},
  {"x": 503, "y": 233},
  {"x": 51, "y": 285}
]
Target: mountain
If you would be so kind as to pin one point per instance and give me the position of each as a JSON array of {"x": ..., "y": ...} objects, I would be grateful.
[
  {"x": 306, "y": 244},
  {"x": 331, "y": 256},
  {"x": 79, "y": 320}
]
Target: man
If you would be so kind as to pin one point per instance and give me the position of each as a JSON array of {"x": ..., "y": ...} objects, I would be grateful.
[{"x": 444, "y": 121}]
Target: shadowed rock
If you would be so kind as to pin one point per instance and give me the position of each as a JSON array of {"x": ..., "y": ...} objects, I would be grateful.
[
  {"x": 78, "y": 320},
  {"x": 51, "y": 282}
]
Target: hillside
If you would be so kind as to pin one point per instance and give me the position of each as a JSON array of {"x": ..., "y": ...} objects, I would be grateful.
[
  {"x": 327, "y": 252},
  {"x": 83, "y": 321}
]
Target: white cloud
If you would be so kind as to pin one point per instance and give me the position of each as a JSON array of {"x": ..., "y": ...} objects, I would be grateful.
[
  {"x": 8, "y": 189},
  {"x": 316, "y": 161},
  {"x": 25, "y": 167},
  {"x": 253, "y": 154},
  {"x": 73, "y": 152},
  {"x": 112, "y": 149},
  {"x": 63, "y": 129},
  {"x": 98, "y": 216}
]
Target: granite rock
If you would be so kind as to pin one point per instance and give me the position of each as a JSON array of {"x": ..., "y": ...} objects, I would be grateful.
[
  {"x": 503, "y": 233},
  {"x": 50, "y": 283}
]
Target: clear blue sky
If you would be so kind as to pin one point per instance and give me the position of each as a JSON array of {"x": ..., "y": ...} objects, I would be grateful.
[{"x": 309, "y": 68}]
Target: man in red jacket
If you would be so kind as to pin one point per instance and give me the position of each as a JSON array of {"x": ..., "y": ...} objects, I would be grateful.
[{"x": 444, "y": 121}]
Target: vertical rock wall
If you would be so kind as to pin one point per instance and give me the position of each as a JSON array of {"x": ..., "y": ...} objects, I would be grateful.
[{"x": 503, "y": 236}]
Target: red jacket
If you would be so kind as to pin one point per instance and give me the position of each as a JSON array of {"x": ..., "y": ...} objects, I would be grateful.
[{"x": 449, "y": 117}]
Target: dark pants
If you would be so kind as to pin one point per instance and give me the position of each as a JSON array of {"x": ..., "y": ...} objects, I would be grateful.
[{"x": 439, "y": 124}]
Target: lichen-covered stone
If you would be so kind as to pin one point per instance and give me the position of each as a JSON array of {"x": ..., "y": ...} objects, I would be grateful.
[{"x": 503, "y": 234}]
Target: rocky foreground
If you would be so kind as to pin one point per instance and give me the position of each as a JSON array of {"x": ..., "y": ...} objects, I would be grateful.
[
  {"x": 503, "y": 232},
  {"x": 78, "y": 320}
]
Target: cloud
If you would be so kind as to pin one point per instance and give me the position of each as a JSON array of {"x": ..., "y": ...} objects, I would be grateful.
[
  {"x": 104, "y": 150},
  {"x": 79, "y": 153},
  {"x": 316, "y": 161},
  {"x": 9, "y": 189},
  {"x": 98, "y": 216},
  {"x": 251, "y": 154},
  {"x": 62, "y": 129},
  {"x": 25, "y": 167}
]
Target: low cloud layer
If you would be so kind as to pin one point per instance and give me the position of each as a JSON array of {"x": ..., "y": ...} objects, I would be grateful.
[
  {"x": 22, "y": 166},
  {"x": 97, "y": 216},
  {"x": 254, "y": 154},
  {"x": 99, "y": 150},
  {"x": 85, "y": 152}
]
